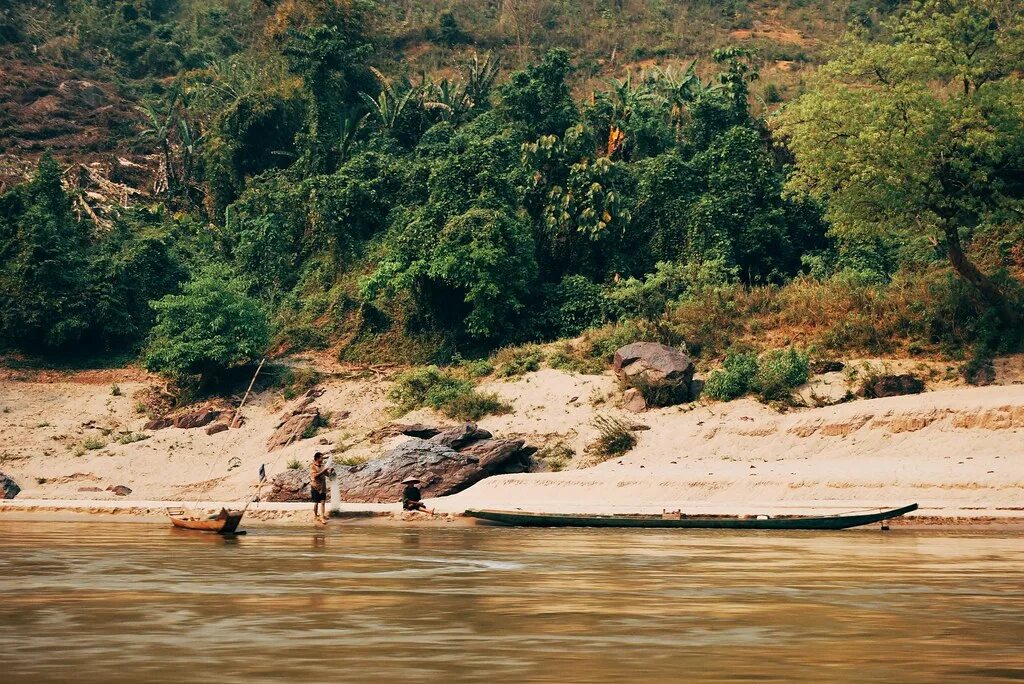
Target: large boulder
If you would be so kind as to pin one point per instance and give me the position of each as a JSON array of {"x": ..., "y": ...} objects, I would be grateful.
[
  {"x": 662, "y": 373},
  {"x": 8, "y": 487},
  {"x": 892, "y": 386},
  {"x": 441, "y": 469},
  {"x": 290, "y": 485}
]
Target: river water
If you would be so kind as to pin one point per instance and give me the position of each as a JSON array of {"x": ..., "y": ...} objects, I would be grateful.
[{"x": 144, "y": 603}]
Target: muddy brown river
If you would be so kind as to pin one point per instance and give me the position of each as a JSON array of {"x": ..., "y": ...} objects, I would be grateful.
[{"x": 144, "y": 603}]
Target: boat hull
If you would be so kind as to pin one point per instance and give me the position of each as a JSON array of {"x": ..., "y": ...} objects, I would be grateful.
[
  {"x": 833, "y": 522},
  {"x": 225, "y": 523}
]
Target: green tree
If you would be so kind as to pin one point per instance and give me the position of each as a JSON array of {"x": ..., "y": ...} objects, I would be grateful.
[
  {"x": 43, "y": 264},
  {"x": 920, "y": 134},
  {"x": 330, "y": 57},
  {"x": 487, "y": 256},
  {"x": 538, "y": 96},
  {"x": 209, "y": 327}
]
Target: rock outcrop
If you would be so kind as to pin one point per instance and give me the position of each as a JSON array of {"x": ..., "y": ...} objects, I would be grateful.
[
  {"x": 441, "y": 469},
  {"x": 290, "y": 485},
  {"x": 296, "y": 420},
  {"x": 8, "y": 487},
  {"x": 195, "y": 419},
  {"x": 450, "y": 460},
  {"x": 661, "y": 373},
  {"x": 459, "y": 436}
]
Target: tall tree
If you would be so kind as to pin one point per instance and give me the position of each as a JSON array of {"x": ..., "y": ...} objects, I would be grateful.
[
  {"x": 920, "y": 133},
  {"x": 42, "y": 264}
]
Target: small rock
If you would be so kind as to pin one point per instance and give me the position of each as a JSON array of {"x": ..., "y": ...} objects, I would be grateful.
[
  {"x": 822, "y": 366},
  {"x": 158, "y": 424},
  {"x": 633, "y": 400},
  {"x": 892, "y": 386},
  {"x": 8, "y": 487},
  {"x": 119, "y": 490},
  {"x": 90, "y": 489},
  {"x": 215, "y": 428},
  {"x": 196, "y": 419}
]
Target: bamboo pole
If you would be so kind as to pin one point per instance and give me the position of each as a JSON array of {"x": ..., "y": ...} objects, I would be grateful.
[{"x": 252, "y": 382}]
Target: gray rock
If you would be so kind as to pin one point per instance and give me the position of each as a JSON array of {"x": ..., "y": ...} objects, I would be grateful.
[
  {"x": 460, "y": 436},
  {"x": 664, "y": 372},
  {"x": 441, "y": 469},
  {"x": 119, "y": 490},
  {"x": 290, "y": 485},
  {"x": 8, "y": 487}
]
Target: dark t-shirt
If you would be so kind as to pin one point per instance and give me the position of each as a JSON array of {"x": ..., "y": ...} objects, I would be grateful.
[{"x": 411, "y": 493}]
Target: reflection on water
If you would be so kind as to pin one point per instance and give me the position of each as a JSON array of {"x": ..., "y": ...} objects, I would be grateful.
[{"x": 362, "y": 604}]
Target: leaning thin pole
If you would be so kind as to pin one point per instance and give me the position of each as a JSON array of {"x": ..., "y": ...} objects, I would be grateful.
[{"x": 238, "y": 411}]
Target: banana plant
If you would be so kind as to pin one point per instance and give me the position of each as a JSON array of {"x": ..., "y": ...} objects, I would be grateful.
[
  {"x": 162, "y": 122},
  {"x": 388, "y": 106}
]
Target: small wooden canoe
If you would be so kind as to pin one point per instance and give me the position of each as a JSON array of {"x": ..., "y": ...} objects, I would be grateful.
[
  {"x": 677, "y": 520},
  {"x": 225, "y": 522}
]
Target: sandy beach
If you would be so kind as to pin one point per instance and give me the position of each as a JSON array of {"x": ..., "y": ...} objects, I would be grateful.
[{"x": 957, "y": 451}]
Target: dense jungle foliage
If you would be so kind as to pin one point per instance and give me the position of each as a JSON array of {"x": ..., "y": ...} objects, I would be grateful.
[{"x": 316, "y": 194}]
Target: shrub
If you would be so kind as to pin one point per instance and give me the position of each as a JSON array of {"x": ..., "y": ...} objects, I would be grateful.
[
  {"x": 475, "y": 405},
  {"x": 779, "y": 372},
  {"x": 479, "y": 368},
  {"x": 557, "y": 456},
  {"x": 294, "y": 464},
  {"x": 132, "y": 437},
  {"x": 115, "y": 390},
  {"x": 442, "y": 391},
  {"x": 734, "y": 379},
  {"x": 616, "y": 438},
  {"x": 93, "y": 443},
  {"x": 772, "y": 377},
  {"x": 211, "y": 326},
  {"x": 515, "y": 361}
]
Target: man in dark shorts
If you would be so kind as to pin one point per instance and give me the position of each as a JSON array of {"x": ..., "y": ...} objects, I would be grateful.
[
  {"x": 411, "y": 496},
  {"x": 318, "y": 473}
]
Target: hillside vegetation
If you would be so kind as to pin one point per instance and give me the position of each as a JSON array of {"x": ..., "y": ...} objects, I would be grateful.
[{"x": 424, "y": 183}]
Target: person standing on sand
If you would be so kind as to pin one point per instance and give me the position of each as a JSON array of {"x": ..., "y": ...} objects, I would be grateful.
[{"x": 318, "y": 473}]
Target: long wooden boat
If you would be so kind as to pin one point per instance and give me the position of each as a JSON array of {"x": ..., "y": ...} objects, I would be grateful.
[
  {"x": 679, "y": 520},
  {"x": 225, "y": 522}
]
